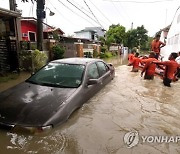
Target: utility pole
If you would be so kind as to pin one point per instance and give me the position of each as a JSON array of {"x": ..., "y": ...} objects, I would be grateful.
[
  {"x": 12, "y": 5},
  {"x": 40, "y": 16}
]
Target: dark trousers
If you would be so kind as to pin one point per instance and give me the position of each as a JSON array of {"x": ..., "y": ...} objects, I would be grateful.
[
  {"x": 167, "y": 82},
  {"x": 148, "y": 77},
  {"x": 157, "y": 56},
  {"x": 178, "y": 73}
]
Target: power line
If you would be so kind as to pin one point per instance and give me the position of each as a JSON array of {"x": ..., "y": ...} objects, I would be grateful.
[
  {"x": 93, "y": 14},
  {"x": 75, "y": 12},
  {"x": 125, "y": 11},
  {"x": 68, "y": 18},
  {"x": 100, "y": 12},
  {"x": 117, "y": 9},
  {"x": 81, "y": 6},
  {"x": 59, "y": 12},
  {"x": 81, "y": 11}
]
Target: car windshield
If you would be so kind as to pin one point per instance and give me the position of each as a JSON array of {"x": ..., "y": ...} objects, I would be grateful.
[{"x": 59, "y": 75}]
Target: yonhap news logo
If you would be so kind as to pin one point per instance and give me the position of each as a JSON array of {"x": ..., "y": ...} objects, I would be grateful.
[{"x": 132, "y": 139}]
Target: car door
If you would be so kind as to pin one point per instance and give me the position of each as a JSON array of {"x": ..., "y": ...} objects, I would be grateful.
[
  {"x": 104, "y": 72},
  {"x": 91, "y": 73}
]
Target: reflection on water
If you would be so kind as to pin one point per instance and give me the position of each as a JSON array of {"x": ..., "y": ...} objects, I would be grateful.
[{"x": 127, "y": 103}]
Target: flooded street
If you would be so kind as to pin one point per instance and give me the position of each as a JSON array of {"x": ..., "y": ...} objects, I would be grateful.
[{"x": 128, "y": 103}]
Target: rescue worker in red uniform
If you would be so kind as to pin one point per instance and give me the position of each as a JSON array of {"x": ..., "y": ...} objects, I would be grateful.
[
  {"x": 156, "y": 45},
  {"x": 171, "y": 67},
  {"x": 149, "y": 67},
  {"x": 135, "y": 63},
  {"x": 130, "y": 58}
]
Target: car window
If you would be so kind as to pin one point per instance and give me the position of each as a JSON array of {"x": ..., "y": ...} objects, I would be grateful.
[
  {"x": 102, "y": 68},
  {"x": 93, "y": 71},
  {"x": 59, "y": 75}
]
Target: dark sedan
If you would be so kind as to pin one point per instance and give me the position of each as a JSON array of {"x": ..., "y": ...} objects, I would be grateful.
[{"x": 50, "y": 96}]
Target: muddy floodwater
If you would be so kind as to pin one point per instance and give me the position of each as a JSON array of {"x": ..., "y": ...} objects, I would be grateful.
[{"x": 128, "y": 103}]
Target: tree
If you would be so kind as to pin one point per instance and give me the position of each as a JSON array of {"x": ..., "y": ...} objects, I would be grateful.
[
  {"x": 136, "y": 37},
  {"x": 115, "y": 34},
  {"x": 58, "y": 52},
  {"x": 142, "y": 35}
]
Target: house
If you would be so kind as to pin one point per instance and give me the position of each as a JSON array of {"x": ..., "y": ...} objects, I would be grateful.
[
  {"x": 92, "y": 33},
  {"x": 164, "y": 32},
  {"x": 78, "y": 47},
  {"x": 9, "y": 39},
  {"x": 51, "y": 32},
  {"x": 29, "y": 30},
  {"x": 172, "y": 36}
]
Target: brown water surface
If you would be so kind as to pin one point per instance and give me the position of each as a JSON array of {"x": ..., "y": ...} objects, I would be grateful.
[{"x": 127, "y": 103}]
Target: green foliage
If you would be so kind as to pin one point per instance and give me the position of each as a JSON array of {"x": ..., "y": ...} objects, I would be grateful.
[
  {"x": 103, "y": 49},
  {"x": 55, "y": 35},
  {"x": 133, "y": 38},
  {"x": 102, "y": 39},
  {"x": 136, "y": 37},
  {"x": 106, "y": 55},
  {"x": 115, "y": 34},
  {"x": 32, "y": 60},
  {"x": 39, "y": 59},
  {"x": 58, "y": 52},
  {"x": 25, "y": 59}
]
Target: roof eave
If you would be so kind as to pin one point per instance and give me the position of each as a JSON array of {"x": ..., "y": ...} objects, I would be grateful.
[{"x": 10, "y": 12}]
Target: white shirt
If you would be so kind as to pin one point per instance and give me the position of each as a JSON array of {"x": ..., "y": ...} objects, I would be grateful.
[{"x": 178, "y": 59}]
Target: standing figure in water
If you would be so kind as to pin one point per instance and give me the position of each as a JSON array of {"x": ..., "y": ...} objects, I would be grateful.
[
  {"x": 156, "y": 45},
  {"x": 135, "y": 63},
  {"x": 131, "y": 57},
  {"x": 149, "y": 67},
  {"x": 171, "y": 67}
]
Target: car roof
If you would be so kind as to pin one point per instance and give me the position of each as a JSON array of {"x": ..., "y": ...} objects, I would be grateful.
[{"x": 76, "y": 60}]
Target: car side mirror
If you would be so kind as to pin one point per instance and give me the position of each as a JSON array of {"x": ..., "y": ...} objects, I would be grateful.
[
  {"x": 92, "y": 81},
  {"x": 110, "y": 64}
]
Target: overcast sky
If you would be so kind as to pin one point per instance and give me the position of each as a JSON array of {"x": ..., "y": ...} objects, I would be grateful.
[{"x": 153, "y": 14}]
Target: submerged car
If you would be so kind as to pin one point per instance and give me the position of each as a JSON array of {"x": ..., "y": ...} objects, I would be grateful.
[{"x": 51, "y": 95}]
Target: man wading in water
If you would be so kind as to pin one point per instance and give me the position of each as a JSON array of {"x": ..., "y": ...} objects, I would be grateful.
[
  {"x": 171, "y": 67},
  {"x": 149, "y": 67}
]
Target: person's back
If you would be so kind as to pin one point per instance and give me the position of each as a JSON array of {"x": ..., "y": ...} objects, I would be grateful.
[
  {"x": 135, "y": 63},
  {"x": 130, "y": 57},
  {"x": 149, "y": 67},
  {"x": 170, "y": 69}
]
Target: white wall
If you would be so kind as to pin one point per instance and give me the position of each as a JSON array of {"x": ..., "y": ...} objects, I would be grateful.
[
  {"x": 173, "y": 37},
  {"x": 86, "y": 35},
  {"x": 4, "y": 4}
]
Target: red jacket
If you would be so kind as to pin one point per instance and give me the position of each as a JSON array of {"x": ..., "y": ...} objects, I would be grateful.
[
  {"x": 171, "y": 68},
  {"x": 149, "y": 67},
  {"x": 136, "y": 62},
  {"x": 130, "y": 57}
]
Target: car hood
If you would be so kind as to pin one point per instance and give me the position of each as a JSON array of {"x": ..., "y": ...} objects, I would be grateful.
[{"x": 31, "y": 105}]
